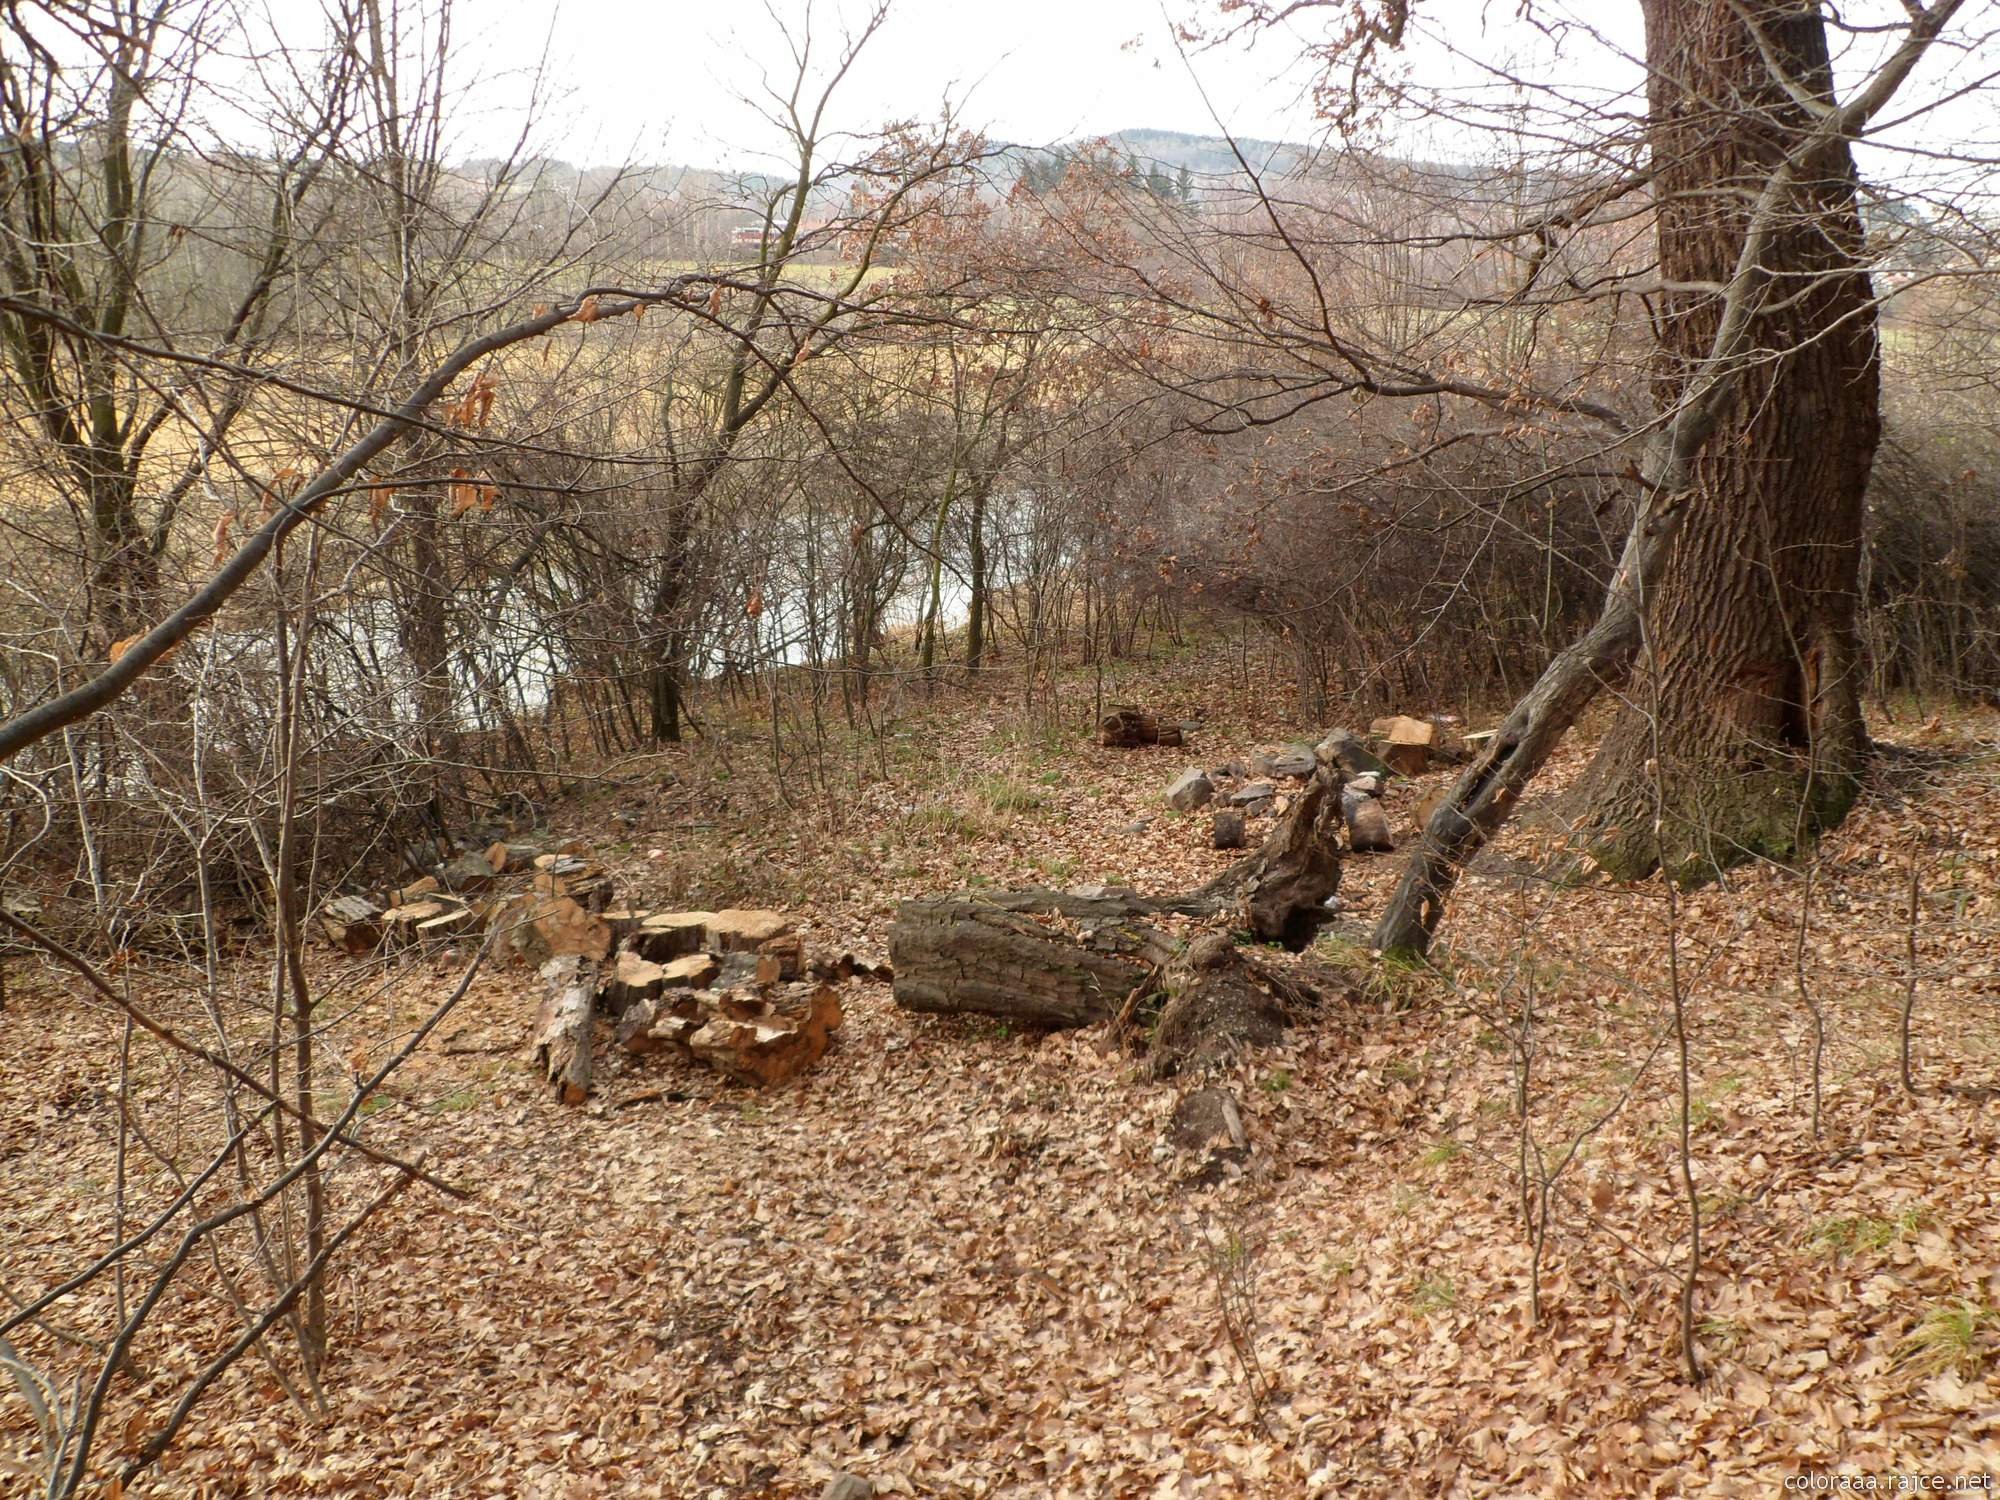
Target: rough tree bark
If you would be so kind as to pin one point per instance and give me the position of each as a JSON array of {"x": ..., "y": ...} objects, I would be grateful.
[
  {"x": 1735, "y": 593},
  {"x": 1744, "y": 720}
]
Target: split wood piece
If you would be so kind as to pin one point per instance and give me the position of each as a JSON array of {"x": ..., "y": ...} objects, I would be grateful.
[
  {"x": 468, "y": 873},
  {"x": 695, "y": 971},
  {"x": 670, "y": 934},
  {"x": 768, "y": 1041},
  {"x": 847, "y": 965},
  {"x": 1279, "y": 892},
  {"x": 352, "y": 924},
  {"x": 453, "y": 922},
  {"x": 630, "y": 980},
  {"x": 562, "y": 1030},
  {"x": 1038, "y": 957},
  {"x": 403, "y": 925},
  {"x": 1127, "y": 728},
  {"x": 415, "y": 891},
  {"x": 587, "y": 885},
  {"x": 536, "y": 928},
  {"x": 510, "y": 859}
]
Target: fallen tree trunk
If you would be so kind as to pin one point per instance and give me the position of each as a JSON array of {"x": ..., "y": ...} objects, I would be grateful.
[
  {"x": 1071, "y": 958},
  {"x": 562, "y": 1030},
  {"x": 1039, "y": 957}
]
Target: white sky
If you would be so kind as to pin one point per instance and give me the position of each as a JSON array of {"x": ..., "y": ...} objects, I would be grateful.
[
  {"x": 657, "y": 83},
  {"x": 660, "y": 83}
]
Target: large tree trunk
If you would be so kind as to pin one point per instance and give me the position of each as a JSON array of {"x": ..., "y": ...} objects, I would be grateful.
[
  {"x": 1743, "y": 730},
  {"x": 1735, "y": 595}
]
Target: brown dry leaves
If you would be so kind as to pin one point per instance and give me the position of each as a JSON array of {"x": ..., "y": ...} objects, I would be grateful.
[{"x": 960, "y": 1261}]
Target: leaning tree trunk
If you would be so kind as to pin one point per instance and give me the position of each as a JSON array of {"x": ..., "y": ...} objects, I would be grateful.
[
  {"x": 1743, "y": 730},
  {"x": 1735, "y": 596}
]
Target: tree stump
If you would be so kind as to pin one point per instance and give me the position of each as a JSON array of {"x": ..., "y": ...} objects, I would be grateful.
[{"x": 1279, "y": 892}]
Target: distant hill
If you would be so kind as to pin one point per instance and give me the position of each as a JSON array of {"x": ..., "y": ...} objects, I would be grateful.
[{"x": 1205, "y": 155}]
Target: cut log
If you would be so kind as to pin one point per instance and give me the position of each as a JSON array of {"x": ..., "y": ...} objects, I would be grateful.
[
  {"x": 1368, "y": 829},
  {"x": 1279, "y": 892},
  {"x": 583, "y": 882},
  {"x": 696, "y": 971},
  {"x": 504, "y": 858},
  {"x": 765, "y": 1042},
  {"x": 562, "y": 1030},
  {"x": 670, "y": 934},
  {"x": 631, "y": 979},
  {"x": 352, "y": 924},
  {"x": 1127, "y": 728},
  {"x": 536, "y": 928},
  {"x": 415, "y": 891},
  {"x": 468, "y": 873},
  {"x": 742, "y": 930},
  {"x": 1039, "y": 957}
]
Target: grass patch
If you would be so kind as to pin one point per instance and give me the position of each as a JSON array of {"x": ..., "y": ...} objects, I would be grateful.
[
  {"x": 1852, "y": 1234},
  {"x": 1948, "y": 1337},
  {"x": 1447, "y": 1150},
  {"x": 1433, "y": 1294},
  {"x": 1003, "y": 794}
]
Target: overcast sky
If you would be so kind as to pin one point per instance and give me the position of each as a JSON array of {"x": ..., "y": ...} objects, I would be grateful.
[{"x": 660, "y": 82}]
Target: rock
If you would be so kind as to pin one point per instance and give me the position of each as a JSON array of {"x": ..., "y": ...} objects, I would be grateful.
[
  {"x": 1344, "y": 748},
  {"x": 1191, "y": 790},
  {"x": 1228, "y": 832},
  {"x": 1255, "y": 797},
  {"x": 1295, "y": 762},
  {"x": 847, "y": 1487},
  {"x": 1369, "y": 784},
  {"x": 1368, "y": 826}
]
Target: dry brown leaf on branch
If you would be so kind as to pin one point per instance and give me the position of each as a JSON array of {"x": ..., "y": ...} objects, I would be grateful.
[{"x": 586, "y": 310}]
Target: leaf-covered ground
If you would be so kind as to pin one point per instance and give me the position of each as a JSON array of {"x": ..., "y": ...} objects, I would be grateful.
[{"x": 962, "y": 1261}]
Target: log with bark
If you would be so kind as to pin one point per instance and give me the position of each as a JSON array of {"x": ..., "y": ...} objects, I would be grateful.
[
  {"x": 1038, "y": 957},
  {"x": 1072, "y": 958},
  {"x": 562, "y": 1029},
  {"x": 1127, "y": 728}
]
